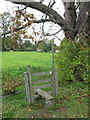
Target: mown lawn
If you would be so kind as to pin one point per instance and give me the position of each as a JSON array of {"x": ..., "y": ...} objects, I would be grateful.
[{"x": 72, "y": 99}]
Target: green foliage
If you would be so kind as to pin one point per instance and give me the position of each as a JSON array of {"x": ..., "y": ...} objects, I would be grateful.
[
  {"x": 28, "y": 43},
  {"x": 46, "y": 46},
  {"x": 72, "y": 60}
]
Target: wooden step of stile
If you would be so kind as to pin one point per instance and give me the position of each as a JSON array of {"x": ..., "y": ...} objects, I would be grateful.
[{"x": 49, "y": 98}]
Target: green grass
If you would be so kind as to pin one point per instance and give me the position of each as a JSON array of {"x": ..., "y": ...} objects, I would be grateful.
[
  {"x": 13, "y": 59},
  {"x": 67, "y": 104},
  {"x": 72, "y": 99}
]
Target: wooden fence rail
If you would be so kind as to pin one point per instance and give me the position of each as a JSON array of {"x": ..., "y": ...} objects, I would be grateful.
[
  {"x": 42, "y": 81},
  {"x": 42, "y": 73},
  {"x": 43, "y": 86}
]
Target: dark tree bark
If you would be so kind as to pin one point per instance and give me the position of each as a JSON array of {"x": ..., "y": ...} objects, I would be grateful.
[
  {"x": 70, "y": 16},
  {"x": 83, "y": 21}
]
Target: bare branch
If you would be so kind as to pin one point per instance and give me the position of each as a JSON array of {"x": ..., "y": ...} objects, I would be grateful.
[
  {"x": 58, "y": 38},
  {"x": 53, "y": 33}
]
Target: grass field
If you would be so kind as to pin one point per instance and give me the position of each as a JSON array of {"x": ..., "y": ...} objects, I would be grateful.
[
  {"x": 72, "y": 99},
  {"x": 15, "y": 59}
]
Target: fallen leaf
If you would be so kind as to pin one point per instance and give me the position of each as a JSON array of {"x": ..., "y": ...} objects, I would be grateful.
[
  {"x": 73, "y": 104},
  {"x": 20, "y": 117},
  {"x": 53, "y": 115},
  {"x": 74, "y": 115},
  {"x": 44, "y": 116},
  {"x": 80, "y": 113},
  {"x": 82, "y": 116},
  {"x": 74, "y": 108},
  {"x": 37, "y": 105},
  {"x": 85, "y": 107},
  {"x": 32, "y": 117},
  {"x": 85, "y": 114},
  {"x": 29, "y": 110},
  {"x": 70, "y": 118},
  {"x": 38, "y": 108},
  {"x": 59, "y": 101},
  {"x": 80, "y": 102},
  {"x": 67, "y": 96}
]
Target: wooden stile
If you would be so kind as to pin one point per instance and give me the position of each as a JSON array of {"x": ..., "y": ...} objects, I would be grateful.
[
  {"x": 27, "y": 88},
  {"x": 49, "y": 83}
]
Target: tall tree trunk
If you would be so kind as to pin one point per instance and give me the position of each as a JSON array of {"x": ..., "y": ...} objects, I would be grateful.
[
  {"x": 70, "y": 16},
  {"x": 83, "y": 21}
]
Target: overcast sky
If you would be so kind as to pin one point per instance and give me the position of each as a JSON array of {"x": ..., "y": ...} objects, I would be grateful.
[{"x": 6, "y": 6}]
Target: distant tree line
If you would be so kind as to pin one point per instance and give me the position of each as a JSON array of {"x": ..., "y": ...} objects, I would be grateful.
[{"x": 15, "y": 45}]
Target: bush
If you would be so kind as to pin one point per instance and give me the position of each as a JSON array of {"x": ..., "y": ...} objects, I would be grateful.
[
  {"x": 10, "y": 83},
  {"x": 72, "y": 60}
]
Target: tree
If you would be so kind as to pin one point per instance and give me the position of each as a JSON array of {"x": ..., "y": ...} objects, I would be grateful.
[
  {"x": 5, "y": 19},
  {"x": 28, "y": 43},
  {"x": 73, "y": 24},
  {"x": 42, "y": 45}
]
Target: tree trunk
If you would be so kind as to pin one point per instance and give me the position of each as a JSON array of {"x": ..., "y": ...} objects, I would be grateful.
[
  {"x": 83, "y": 21},
  {"x": 70, "y": 16}
]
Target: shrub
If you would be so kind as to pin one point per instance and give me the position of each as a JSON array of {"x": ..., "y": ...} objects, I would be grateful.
[
  {"x": 10, "y": 83},
  {"x": 72, "y": 60}
]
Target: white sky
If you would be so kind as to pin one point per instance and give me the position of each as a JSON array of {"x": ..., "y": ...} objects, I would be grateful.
[{"x": 6, "y": 6}]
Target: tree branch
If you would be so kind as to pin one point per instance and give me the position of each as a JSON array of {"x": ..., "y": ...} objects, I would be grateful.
[
  {"x": 33, "y": 21},
  {"x": 53, "y": 33},
  {"x": 46, "y": 10}
]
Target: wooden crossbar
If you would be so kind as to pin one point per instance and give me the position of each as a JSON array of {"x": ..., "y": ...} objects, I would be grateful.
[
  {"x": 42, "y": 81},
  {"x": 42, "y": 73},
  {"x": 42, "y": 86}
]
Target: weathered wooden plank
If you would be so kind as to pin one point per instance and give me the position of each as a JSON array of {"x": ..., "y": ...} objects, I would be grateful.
[
  {"x": 49, "y": 103},
  {"x": 42, "y": 81},
  {"x": 42, "y": 86},
  {"x": 55, "y": 83},
  {"x": 43, "y": 94},
  {"x": 30, "y": 82},
  {"x": 42, "y": 73},
  {"x": 27, "y": 88},
  {"x": 56, "y": 77},
  {"x": 53, "y": 66}
]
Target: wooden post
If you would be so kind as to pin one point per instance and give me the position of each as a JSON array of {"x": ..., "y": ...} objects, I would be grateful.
[
  {"x": 53, "y": 57},
  {"x": 30, "y": 83},
  {"x": 27, "y": 88},
  {"x": 56, "y": 77},
  {"x": 53, "y": 68}
]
